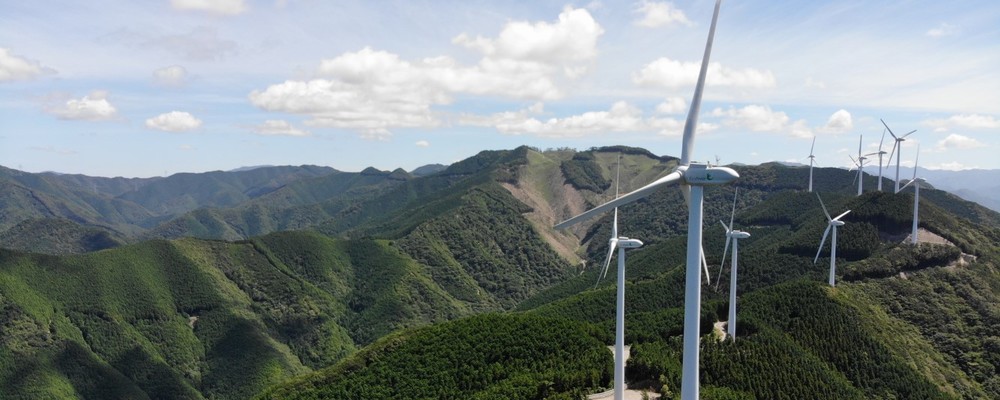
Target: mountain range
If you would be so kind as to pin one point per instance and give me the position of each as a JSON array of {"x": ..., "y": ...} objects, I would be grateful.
[{"x": 307, "y": 282}]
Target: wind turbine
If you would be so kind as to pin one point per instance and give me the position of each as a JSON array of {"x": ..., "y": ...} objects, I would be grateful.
[
  {"x": 880, "y": 153},
  {"x": 621, "y": 243},
  {"x": 832, "y": 223},
  {"x": 735, "y": 236},
  {"x": 812, "y": 160},
  {"x": 860, "y": 163},
  {"x": 692, "y": 177},
  {"x": 916, "y": 197},
  {"x": 897, "y": 148}
]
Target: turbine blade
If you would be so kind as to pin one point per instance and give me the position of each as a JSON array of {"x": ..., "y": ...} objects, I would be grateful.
[
  {"x": 618, "y": 174},
  {"x": 889, "y": 129},
  {"x": 733, "y": 214},
  {"x": 611, "y": 253},
  {"x": 704, "y": 265},
  {"x": 824, "y": 207},
  {"x": 614, "y": 225},
  {"x": 822, "y": 242},
  {"x": 692, "y": 119},
  {"x": 891, "y": 153},
  {"x": 812, "y": 147},
  {"x": 841, "y": 215},
  {"x": 625, "y": 199},
  {"x": 915, "y": 163},
  {"x": 860, "y": 139},
  {"x": 904, "y": 186},
  {"x": 725, "y": 252},
  {"x": 881, "y": 141},
  {"x": 907, "y": 134},
  {"x": 725, "y": 227}
]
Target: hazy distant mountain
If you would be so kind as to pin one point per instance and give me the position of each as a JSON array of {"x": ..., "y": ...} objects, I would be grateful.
[
  {"x": 428, "y": 169},
  {"x": 979, "y": 185}
]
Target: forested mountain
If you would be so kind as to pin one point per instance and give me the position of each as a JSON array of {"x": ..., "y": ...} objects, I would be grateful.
[{"x": 354, "y": 303}]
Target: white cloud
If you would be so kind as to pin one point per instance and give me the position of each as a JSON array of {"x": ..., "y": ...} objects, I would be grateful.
[
  {"x": 945, "y": 29},
  {"x": 672, "y": 105},
  {"x": 186, "y": 147},
  {"x": 656, "y": 14},
  {"x": 664, "y": 72},
  {"x": 374, "y": 91},
  {"x": 956, "y": 141},
  {"x": 224, "y": 7},
  {"x": 754, "y": 117},
  {"x": 92, "y": 107},
  {"x": 422, "y": 143},
  {"x": 621, "y": 117},
  {"x": 174, "y": 75},
  {"x": 14, "y": 68},
  {"x": 174, "y": 121},
  {"x": 840, "y": 121},
  {"x": 967, "y": 121},
  {"x": 275, "y": 127},
  {"x": 814, "y": 84},
  {"x": 950, "y": 166}
]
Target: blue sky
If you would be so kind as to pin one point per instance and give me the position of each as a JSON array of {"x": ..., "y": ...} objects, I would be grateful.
[{"x": 117, "y": 88}]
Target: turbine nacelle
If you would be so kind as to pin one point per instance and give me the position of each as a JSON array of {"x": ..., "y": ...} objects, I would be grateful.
[
  {"x": 626, "y": 243},
  {"x": 738, "y": 234},
  {"x": 703, "y": 175},
  {"x": 837, "y": 223}
]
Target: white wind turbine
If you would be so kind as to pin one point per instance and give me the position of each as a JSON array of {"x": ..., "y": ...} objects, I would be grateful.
[
  {"x": 832, "y": 223},
  {"x": 880, "y": 153},
  {"x": 621, "y": 243},
  {"x": 897, "y": 147},
  {"x": 860, "y": 163},
  {"x": 916, "y": 197},
  {"x": 692, "y": 177},
  {"x": 735, "y": 236},
  {"x": 812, "y": 160}
]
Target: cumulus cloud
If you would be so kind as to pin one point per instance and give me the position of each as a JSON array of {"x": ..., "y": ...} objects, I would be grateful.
[
  {"x": 174, "y": 75},
  {"x": 277, "y": 127},
  {"x": 761, "y": 118},
  {"x": 223, "y": 7},
  {"x": 621, "y": 117},
  {"x": 672, "y": 105},
  {"x": 422, "y": 143},
  {"x": 945, "y": 29},
  {"x": 961, "y": 142},
  {"x": 967, "y": 121},
  {"x": 656, "y": 14},
  {"x": 174, "y": 121},
  {"x": 840, "y": 121},
  {"x": 14, "y": 68},
  {"x": 92, "y": 107},
  {"x": 664, "y": 72},
  {"x": 374, "y": 91}
]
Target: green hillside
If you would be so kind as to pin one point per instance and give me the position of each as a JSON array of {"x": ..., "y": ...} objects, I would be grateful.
[{"x": 406, "y": 288}]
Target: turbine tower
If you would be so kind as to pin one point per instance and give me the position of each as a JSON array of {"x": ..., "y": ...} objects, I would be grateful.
[
  {"x": 735, "y": 236},
  {"x": 812, "y": 160},
  {"x": 897, "y": 147},
  {"x": 916, "y": 198},
  {"x": 832, "y": 223},
  {"x": 860, "y": 163},
  {"x": 692, "y": 177},
  {"x": 621, "y": 243}
]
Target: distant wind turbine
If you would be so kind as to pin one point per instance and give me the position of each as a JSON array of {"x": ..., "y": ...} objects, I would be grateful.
[
  {"x": 735, "y": 236},
  {"x": 621, "y": 243},
  {"x": 880, "y": 153},
  {"x": 897, "y": 147},
  {"x": 832, "y": 224},
  {"x": 812, "y": 160},
  {"x": 692, "y": 177},
  {"x": 860, "y": 163},
  {"x": 916, "y": 197}
]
